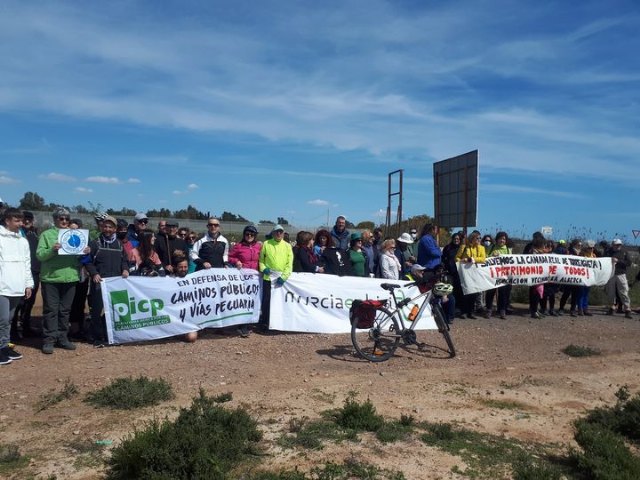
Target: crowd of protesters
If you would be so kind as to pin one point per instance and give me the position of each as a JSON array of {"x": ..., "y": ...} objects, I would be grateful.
[{"x": 30, "y": 261}]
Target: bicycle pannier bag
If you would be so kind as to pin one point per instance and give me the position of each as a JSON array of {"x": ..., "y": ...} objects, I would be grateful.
[{"x": 362, "y": 313}]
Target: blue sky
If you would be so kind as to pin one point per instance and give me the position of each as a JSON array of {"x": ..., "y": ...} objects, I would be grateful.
[{"x": 301, "y": 109}]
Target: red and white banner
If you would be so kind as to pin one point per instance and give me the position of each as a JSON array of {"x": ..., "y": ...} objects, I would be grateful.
[{"x": 533, "y": 270}]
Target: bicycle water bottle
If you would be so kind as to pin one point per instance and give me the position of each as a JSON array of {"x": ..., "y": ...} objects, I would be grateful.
[{"x": 413, "y": 313}]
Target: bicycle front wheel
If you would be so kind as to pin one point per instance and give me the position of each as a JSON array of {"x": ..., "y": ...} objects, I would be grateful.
[
  {"x": 377, "y": 343},
  {"x": 443, "y": 328}
]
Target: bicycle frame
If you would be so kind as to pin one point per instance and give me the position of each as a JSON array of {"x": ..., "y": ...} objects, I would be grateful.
[{"x": 402, "y": 317}]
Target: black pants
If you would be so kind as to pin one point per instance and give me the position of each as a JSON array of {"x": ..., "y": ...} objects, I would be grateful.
[
  {"x": 266, "y": 303},
  {"x": 98, "y": 326},
  {"x": 570, "y": 291},
  {"x": 77, "y": 314}
]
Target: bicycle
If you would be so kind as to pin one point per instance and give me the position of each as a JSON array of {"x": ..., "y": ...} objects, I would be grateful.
[{"x": 376, "y": 331}]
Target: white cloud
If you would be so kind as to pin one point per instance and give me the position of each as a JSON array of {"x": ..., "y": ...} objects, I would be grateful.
[
  {"x": 58, "y": 177},
  {"x": 83, "y": 190},
  {"x": 101, "y": 179},
  {"x": 5, "y": 180},
  {"x": 192, "y": 186},
  {"x": 133, "y": 180},
  {"x": 318, "y": 202},
  {"x": 177, "y": 192}
]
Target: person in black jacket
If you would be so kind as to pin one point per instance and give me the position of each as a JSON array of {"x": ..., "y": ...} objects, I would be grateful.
[
  {"x": 304, "y": 257},
  {"x": 23, "y": 312},
  {"x": 106, "y": 259},
  {"x": 167, "y": 243}
]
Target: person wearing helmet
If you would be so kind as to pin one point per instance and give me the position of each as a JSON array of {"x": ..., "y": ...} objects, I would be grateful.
[{"x": 440, "y": 289}]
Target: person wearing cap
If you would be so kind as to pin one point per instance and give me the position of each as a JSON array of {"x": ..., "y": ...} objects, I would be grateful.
[
  {"x": 340, "y": 234},
  {"x": 246, "y": 253},
  {"x": 167, "y": 242},
  {"x": 134, "y": 231},
  {"x": 212, "y": 250},
  {"x": 561, "y": 248},
  {"x": 22, "y": 315},
  {"x": 15, "y": 277},
  {"x": 59, "y": 276},
  {"x": 618, "y": 283},
  {"x": 358, "y": 257},
  {"x": 275, "y": 261},
  {"x": 404, "y": 252},
  {"x": 105, "y": 259}
]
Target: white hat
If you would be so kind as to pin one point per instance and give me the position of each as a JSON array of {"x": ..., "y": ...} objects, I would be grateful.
[
  {"x": 276, "y": 228},
  {"x": 616, "y": 241},
  {"x": 405, "y": 238},
  {"x": 140, "y": 216}
]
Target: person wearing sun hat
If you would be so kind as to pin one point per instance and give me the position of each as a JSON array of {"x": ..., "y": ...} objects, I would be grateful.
[
  {"x": 59, "y": 276},
  {"x": 618, "y": 283},
  {"x": 405, "y": 252},
  {"x": 275, "y": 263}
]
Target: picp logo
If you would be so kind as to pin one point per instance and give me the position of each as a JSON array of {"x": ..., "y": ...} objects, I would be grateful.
[{"x": 131, "y": 312}]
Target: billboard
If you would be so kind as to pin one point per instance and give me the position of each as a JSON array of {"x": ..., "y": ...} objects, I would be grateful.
[{"x": 455, "y": 191}]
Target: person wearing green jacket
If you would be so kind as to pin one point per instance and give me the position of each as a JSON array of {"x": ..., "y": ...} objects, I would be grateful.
[
  {"x": 276, "y": 261},
  {"x": 59, "y": 275}
]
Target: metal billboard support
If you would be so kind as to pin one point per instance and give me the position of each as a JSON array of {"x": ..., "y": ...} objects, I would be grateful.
[{"x": 390, "y": 195}]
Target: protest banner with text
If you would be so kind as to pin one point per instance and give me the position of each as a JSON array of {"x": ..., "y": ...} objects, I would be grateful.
[
  {"x": 534, "y": 269},
  {"x": 147, "y": 308}
]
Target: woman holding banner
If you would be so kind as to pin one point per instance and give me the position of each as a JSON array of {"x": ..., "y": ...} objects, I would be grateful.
[{"x": 471, "y": 252}]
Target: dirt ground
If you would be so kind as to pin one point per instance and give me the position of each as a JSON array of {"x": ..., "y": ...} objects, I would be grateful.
[{"x": 284, "y": 376}]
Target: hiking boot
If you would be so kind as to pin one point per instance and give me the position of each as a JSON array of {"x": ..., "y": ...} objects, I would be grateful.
[
  {"x": 627, "y": 314},
  {"x": 503, "y": 314},
  {"x": 487, "y": 314},
  {"x": 47, "y": 348},
  {"x": 11, "y": 353},
  {"x": 65, "y": 345}
]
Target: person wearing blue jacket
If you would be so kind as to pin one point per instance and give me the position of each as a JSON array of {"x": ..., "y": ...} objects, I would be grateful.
[{"x": 429, "y": 254}]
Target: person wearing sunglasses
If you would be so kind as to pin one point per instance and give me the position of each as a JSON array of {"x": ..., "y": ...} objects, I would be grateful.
[
  {"x": 212, "y": 250},
  {"x": 59, "y": 276},
  {"x": 167, "y": 243},
  {"x": 134, "y": 232}
]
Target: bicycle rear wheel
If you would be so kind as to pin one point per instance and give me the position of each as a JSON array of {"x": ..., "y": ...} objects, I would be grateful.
[
  {"x": 443, "y": 328},
  {"x": 377, "y": 343}
]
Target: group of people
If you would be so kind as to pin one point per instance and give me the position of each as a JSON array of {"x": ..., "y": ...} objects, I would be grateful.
[{"x": 29, "y": 261}]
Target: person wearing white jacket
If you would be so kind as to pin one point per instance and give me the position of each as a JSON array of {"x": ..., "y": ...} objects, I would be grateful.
[{"x": 16, "y": 281}]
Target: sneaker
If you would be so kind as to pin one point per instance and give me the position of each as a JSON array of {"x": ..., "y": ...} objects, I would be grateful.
[
  {"x": 244, "y": 331},
  {"x": 553, "y": 313},
  {"x": 610, "y": 311},
  {"x": 65, "y": 345},
  {"x": 587, "y": 313},
  {"x": 11, "y": 353},
  {"x": 4, "y": 358},
  {"x": 573, "y": 313},
  {"x": 503, "y": 315},
  {"x": 627, "y": 314},
  {"x": 47, "y": 348},
  {"x": 560, "y": 312},
  {"x": 536, "y": 315}
]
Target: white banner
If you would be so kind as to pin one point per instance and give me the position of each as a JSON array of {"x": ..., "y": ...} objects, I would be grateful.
[
  {"x": 319, "y": 303},
  {"x": 533, "y": 270},
  {"x": 146, "y": 308}
]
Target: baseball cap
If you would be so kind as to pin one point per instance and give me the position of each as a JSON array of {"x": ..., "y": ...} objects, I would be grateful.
[
  {"x": 60, "y": 212},
  {"x": 109, "y": 218},
  {"x": 416, "y": 267},
  {"x": 616, "y": 241},
  {"x": 276, "y": 228},
  {"x": 140, "y": 216}
]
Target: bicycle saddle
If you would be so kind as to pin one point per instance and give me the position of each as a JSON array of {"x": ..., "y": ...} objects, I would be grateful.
[{"x": 389, "y": 286}]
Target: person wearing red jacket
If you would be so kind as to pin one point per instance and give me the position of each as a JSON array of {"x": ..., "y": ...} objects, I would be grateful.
[{"x": 246, "y": 253}]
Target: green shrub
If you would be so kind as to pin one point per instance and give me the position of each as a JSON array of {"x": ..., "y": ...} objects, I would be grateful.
[
  {"x": 604, "y": 456},
  {"x": 359, "y": 416},
  {"x": 349, "y": 470},
  {"x": 11, "y": 458},
  {"x": 623, "y": 418},
  {"x": 206, "y": 441},
  {"x": 129, "y": 393},
  {"x": 529, "y": 468},
  {"x": 580, "y": 351},
  {"x": 69, "y": 389}
]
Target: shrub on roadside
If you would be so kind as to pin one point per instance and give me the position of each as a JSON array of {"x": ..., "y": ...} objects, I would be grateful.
[
  {"x": 129, "y": 393},
  {"x": 205, "y": 441}
]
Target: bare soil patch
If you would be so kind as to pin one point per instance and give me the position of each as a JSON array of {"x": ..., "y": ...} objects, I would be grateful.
[{"x": 510, "y": 377}]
